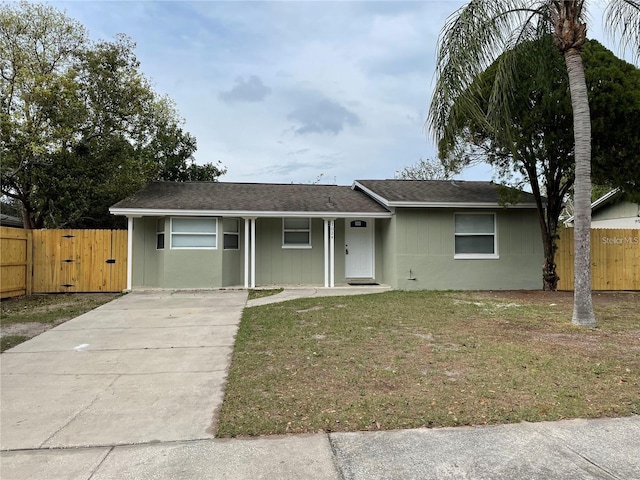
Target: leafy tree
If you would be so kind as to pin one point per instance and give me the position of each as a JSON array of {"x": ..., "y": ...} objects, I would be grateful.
[
  {"x": 80, "y": 125},
  {"x": 538, "y": 145},
  {"x": 614, "y": 99},
  {"x": 429, "y": 169},
  {"x": 476, "y": 35}
]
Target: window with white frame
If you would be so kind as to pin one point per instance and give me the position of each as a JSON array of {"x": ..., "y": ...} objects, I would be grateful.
[
  {"x": 475, "y": 235},
  {"x": 194, "y": 232},
  {"x": 231, "y": 234},
  {"x": 296, "y": 232},
  {"x": 160, "y": 234}
]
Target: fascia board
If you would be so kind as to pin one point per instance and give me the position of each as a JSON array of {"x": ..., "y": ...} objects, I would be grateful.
[
  {"x": 604, "y": 198},
  {"x": 457, "y": 205},
  {"x": 597, "y": 203},
  {"x": 139, "y": 212},
  {"x": 378, "y": 198}
]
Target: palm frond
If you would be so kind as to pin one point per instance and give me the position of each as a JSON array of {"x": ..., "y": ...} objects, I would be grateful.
[
  {"x": 472, "y": 39},
  {"x": 622, "y": 19}
]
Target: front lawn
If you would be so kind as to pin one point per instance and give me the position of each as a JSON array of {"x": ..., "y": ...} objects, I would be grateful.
[{"x": 430, "y": 359}]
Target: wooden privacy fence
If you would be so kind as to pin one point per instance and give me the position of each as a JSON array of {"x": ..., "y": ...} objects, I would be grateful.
[
  {"x": 67, "y": 261},
  {"x": 15, "y": 262},
  {"x": 615, "y": 259}
]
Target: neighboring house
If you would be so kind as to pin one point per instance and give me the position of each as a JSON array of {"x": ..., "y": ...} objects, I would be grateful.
[
  {"x": 10, "y": 221},
  {"x": 408, "y": 234},
  {"x": 612, "y": 210}
]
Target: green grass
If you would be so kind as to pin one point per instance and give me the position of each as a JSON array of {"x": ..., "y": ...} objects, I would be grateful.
[
  {"x": 414, "y": 359},
  {"x": 10, "y": 341},
  {"x": 253, "y": 294},
  {"x": 50, "y": 310}
]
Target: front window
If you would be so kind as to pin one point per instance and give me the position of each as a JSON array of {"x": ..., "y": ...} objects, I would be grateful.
[
  {"x": 194, "y": 232},
  {"x": 475, "y": 235},
  {"x": 296, "y": 232}
]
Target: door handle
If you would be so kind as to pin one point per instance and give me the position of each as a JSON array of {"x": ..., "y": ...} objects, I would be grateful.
[{"x": 346, "y": 250}]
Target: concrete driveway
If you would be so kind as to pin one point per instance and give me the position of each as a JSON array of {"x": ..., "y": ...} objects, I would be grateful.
[
  {"x": 146, "y": 367},
  {"x": 130, "y": 391}
]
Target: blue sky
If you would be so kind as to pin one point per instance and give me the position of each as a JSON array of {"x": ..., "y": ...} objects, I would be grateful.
[{"x": 288, "y": 91}]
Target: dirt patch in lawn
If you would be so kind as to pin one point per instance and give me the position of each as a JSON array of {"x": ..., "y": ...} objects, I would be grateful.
[
  {"x": 23, "y": 318},
  {"x": 29, "y": 329},
  {"x": 540, "y": 297}
]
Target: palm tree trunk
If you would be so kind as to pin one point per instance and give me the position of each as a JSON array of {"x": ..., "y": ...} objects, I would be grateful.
[{"x": 582, "y": 305}]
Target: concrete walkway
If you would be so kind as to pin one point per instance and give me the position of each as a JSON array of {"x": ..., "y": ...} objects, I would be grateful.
[
  {"x": 293, "y": 293},
  {"x": 130, "y": 391}
]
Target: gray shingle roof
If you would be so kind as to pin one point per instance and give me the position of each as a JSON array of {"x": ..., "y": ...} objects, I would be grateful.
[
  {"x": 250, "y": 197},
  {"x": 10, "y": 221},
  {"x": 439, "y": 192}
]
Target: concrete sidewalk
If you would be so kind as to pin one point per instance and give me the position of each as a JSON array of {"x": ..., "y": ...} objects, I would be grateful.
[
  {"x": 130, "y": 390},
  {"x": 573, "y": 449}
]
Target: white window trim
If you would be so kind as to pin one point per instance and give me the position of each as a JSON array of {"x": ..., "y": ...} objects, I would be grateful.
[
  {"x": 172, "y": 233},
  {"x": 236, "y": 233},
  {"x": 476, "y": 256},
  {"x": 299, "y": 246}
]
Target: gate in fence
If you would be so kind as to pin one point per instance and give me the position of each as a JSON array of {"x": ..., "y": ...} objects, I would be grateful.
[
  {"x": 79, "y": 260},
  {"x": 57, "y": 261}
]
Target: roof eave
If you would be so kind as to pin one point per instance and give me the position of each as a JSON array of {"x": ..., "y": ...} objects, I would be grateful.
[
  {"x": 458, "y": 205},
  {"x": 600, "y": 202},
  {"x": 606, "y": 198},
  {"x": 378, "y": 198},
  {"x": 142, "y": 212}
]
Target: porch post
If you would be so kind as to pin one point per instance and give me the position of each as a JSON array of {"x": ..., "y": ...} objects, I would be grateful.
[
  {"x": 253, "y": 253},
  {"x": 326, "y": 252},
  {"x": 129, "y": 252},
  {"x": 332, "y": 252},
  {"x": 246, "y": 253}
]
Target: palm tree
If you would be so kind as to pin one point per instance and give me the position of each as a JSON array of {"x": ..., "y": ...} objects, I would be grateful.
[{"x": 476, "y": 35}]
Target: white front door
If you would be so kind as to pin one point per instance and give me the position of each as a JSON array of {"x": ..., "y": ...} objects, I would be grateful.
[{"x": 358, "y": 248}]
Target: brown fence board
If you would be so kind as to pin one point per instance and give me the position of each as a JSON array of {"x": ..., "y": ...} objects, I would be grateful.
[
  {"x": 15, "y": 266},
  {"x": 119, "y": 253},
  {"x": 615, "y": 259},
  {"x": 76, "y": 261}
]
